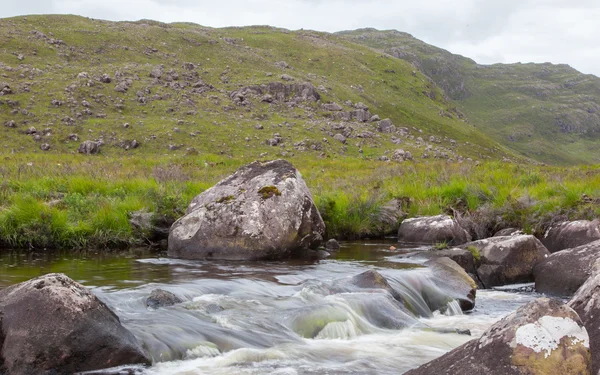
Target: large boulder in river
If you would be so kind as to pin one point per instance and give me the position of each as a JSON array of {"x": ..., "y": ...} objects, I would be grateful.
[
  {"x": 563, "y": 272},
  {"x": 542, "y": 337},
  {"x": 53, "y": 325},
  {"x": 570, "y": 234},
  {"x": 432, "y": 229},
  {"x": 262, "y": 211},
  {"x": 507, "y": 260},
  {"x": 586, "y": 302}
]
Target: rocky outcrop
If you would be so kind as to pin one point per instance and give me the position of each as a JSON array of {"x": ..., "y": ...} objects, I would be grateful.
[
  {"x": 53, "y": 325},
  {"x": 586, "y": 302},
  {"x": 454, "y": 282},
  {"x": 570, "y": 234},
  {"x": 162, "y": 298},
  {"x": 262, "y": 211},
  {"x": 432, "y": 229},
  {"x": 542, "y": 337},
  {"x": 278, "y": 91},
  {"x": 507, "y": 260},
  {"x": 563, "y": 272}
]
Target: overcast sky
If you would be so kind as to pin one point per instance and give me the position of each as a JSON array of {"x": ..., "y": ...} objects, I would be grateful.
[{"x": 488, "y": 31}]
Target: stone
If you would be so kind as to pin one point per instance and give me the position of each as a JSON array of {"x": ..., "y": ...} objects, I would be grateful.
[
  {"x": 105, "y": 78},
  {"x": 507, "y": 260},
  {"x": 333, "y": 107},
  {"x": 570, "y": 234},
  {"x": 509, "y": 232},
  {"x": 432, "y": 229},
  {"x": 462, "y": 257},
  {"x": 372, "y": 279},
  {"x": 543, "y": 337},
  {"x": 340, "y": 138},
  {"x": 287, "y": 77},
  {"x": 386, "y": 126},
  {"x": 563, "y": 272},
  {"x": 332, "y": 244},
  {"x": 10, "y": 124},
  {"x": 586, "y": 302},
  {"x": 45, "y": 147},
  {"x": 262, "y": 211},
  {"x": 162, "y": 298},
  {"x": 89, "y": 147},
  {"x": 361, "y": 115},
  {"x": 400, "y": 155},
  {"x": 454, "y": 282},
  {"x": 53, "y": 325}
]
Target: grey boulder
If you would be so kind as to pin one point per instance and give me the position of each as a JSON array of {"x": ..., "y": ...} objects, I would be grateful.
[
  {"x": 262, "y": 211},
  {"x": 53, "y": 325},
  {"x": 542, "y": 337},
  {"x": 570, "y": 234},
  {"x": 432, "y": 229},
  {"x": 563, "y": 272}
]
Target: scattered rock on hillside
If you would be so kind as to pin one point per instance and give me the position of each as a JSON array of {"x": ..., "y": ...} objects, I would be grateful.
[
  {"x": 45, "y": 147},
  {"x": 432, "y": 229},
  {"x": 333, "y": 107},
  {"x": 52, "y": 324},
  {"x": 563, "y": 272},
  {"x": 400, "y": 155},
  {"x": 105, "y": 78},
  {"x": 262, "y": 211},
  {"x": 586, "y": 302},
  {"x": 507, "y": 260},
  {"x": 162, "y": 298},
  {"x": 10, "y": 124},
  {"x": 542, "y": 337},
  {"x": 340, "y": 138},
  {"x": 280, "y": 92},
  {"x": 386, "y": 126},
  {"x": 570, "y": 234},
  {"x": 89, "y": 148},
  {"x": 287, "y": 77}
]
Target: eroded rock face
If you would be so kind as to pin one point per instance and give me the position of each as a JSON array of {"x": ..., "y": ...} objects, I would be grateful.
[
  {"x": 586, "y": 302},
  {"x": 262, "y": 211},
  {"x": 540, "y": 338},
  {"x": 563, "y": 272},
  {"x": 52, "y": 324},
  {"x": 570, "y": 234},
  {"x": 432, "y": 229},
  {"x": 508, "y": 260}
]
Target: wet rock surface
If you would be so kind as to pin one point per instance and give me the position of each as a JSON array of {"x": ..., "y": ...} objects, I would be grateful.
[
  {"x": 563, "y": 272},
  {"x": 53, "y": 325},
  {"x": 262, "y": 211},
  {"x": 542, "y": 337},
  {"x": 162, "y": 298}
]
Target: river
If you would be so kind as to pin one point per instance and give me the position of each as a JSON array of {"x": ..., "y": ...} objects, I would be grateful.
[{"x": 289, "y": 317}]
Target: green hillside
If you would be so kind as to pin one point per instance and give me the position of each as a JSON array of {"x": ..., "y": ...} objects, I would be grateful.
[
  {"x": 74, "y": 79},
  {"x": 550, "y": 113}
]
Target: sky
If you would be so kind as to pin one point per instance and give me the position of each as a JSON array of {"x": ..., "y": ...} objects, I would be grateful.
[{"x": 488, "y": 31}]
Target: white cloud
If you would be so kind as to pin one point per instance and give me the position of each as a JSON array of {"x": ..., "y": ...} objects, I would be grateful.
[{"x": 488, "y": 31}]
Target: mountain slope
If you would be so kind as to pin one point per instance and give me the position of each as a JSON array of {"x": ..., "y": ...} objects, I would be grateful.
[
  {"x": 548, "y": 112},
  {"x": 183, "y": 88}
]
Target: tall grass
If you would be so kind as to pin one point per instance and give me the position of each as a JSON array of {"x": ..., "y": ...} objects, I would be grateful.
[{"x": 73, "y": 204}]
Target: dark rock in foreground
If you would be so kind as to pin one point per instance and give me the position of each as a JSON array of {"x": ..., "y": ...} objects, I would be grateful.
[
  {"x": 433, "y": 229},
  {"x": 262, "y": 211},
  {"x": 563, "y": 272},
  {"x": 53, "y": 325},
  {"x": 542, "y": 337},
  {"x": 162, "y": 298},
  {"x": 570, "y": 234},
  {"x": 586, "y": 302},
  {"x": 507, "y": 260}
]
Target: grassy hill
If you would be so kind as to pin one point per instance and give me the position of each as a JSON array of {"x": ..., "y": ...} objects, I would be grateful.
[
  {"x": 550, "y": 113},
  {"x": 176, "y": 107}
]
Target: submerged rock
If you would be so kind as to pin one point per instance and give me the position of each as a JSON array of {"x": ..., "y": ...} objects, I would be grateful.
[
  {"x": 162, "y": 298},
  {"x": 51, "y": 324},
  {"x": 432, "y": 229},
  {"x": 586, "y": 302},
  {"x": 563, "y": 272},
  {"x": 570, "y": 234},
  {"x": 542, "y": 337},
  {"x": 332, "y": 244},
  {"x": 262, "y": 211},
  {"x": 507, "y": 260}
]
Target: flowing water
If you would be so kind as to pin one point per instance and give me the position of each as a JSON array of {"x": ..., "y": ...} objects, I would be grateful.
[{"x": 289, "y": 317}]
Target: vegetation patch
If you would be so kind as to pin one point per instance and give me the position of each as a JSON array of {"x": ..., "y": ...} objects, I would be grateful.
[
  {"x": 267, "y": 192},
  {"x": 475, "y": 251},
  {"x": 226, "y": 199}
]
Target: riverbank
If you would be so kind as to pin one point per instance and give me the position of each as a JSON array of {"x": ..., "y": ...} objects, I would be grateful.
[{"x": 73, "y": 202}]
